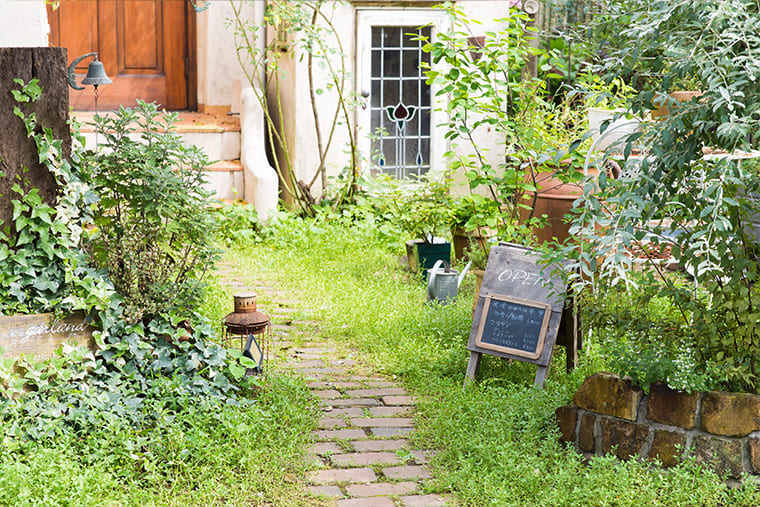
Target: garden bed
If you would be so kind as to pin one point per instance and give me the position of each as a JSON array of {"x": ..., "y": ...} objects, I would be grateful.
[{"x": 610, "y": 415}]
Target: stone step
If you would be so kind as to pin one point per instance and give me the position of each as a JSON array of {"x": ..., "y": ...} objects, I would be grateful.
[
  {"x": 217, "y": 135},
  {"x": 225, "y": 179}
]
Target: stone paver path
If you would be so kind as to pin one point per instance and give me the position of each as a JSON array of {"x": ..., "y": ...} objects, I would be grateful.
[{"x": 362, "y": 456}]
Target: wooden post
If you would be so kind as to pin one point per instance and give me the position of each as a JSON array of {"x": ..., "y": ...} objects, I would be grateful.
[
  {"x": 472, "y": 367},
  {"x": 19, "y": 160}
]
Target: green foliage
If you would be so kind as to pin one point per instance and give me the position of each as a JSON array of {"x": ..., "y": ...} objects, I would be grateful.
[
  {"x": 496, "y": 441},
  {"x": 489, "y": 96},
  {"x": 422, "y": 210},
  {"x": 154, "y": 234},
  {"x": 41, "y": 267},
  {"x": 238, "y": 223},
  {"x": 700, "y": 204},
  {"x": 186, "y": 450},
  {"x": 647, "y": 340}
]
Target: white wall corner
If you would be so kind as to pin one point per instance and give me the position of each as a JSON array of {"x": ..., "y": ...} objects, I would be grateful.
[
  {"x": 23, "y": 23},
  {"x": 261, "y": 183}
]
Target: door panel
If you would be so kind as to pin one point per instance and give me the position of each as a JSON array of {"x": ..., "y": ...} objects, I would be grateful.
[{"x": 143, "y": 45}]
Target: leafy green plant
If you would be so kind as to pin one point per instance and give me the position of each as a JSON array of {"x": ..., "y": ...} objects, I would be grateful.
[
  {"x": 238, "y": 223},
  {"x": 423, "y": 210},
  {"x": 488, "y": 95},
  {"x": 680, "y": 193},
  {"x": 154, "y": 234},
  {"x": 42, "y": 267}
]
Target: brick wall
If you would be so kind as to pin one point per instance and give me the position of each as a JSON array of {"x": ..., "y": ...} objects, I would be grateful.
[{"x": 609, "y": 414}]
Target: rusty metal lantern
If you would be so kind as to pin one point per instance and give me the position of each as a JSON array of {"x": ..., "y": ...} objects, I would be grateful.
[{"x": 247, "y": 321}]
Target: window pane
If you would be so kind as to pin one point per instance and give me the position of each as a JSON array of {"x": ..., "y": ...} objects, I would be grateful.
[
  {"x": 391, "y": 95},
  {"x": 391, "y": 63},
  {"x": 391, "y": 37},
  {"x": 410, "y": 63},
  {"x": 401, "y": 146}
]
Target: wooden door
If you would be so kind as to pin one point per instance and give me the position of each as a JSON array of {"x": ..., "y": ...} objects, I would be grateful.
[{"x": 143, "y": 44}]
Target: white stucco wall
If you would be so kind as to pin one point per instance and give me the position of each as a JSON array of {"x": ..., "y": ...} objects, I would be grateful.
[
  {"x": 217, "y": 61},
  {"x": 23, "y": 23},
  {"x": 299, "y": 122}
]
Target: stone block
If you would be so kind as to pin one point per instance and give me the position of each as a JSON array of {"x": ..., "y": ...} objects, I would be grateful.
[
  {"x": 723, "y": 455},
  {"x": 398, "y": 400},
  {"x": 326, "y": 393},
  {"x": 667, "y": 447},
  {"x": 608, "y": 394},
  {"x": 372, "y": 501},
  {"x": 412, "y": 472},
  {"x": 327, "y": 491},
  {"x": 668, "y": 406},
  {"x": 331, "y": 423},
  {"x": 730, "y": 414},
  {"x": 352, "y": 402},
  {"x": 344, "y": 434},
  {"x": 424, "y": 501},
  {"x": 567, "y": 417},
  {"x": 753, "y": 446},
  {"x": 586, "y": 440},
  {"x": 353, "y": 459},
  {"x": 380, "y": 391},
  {"x": 351, "y": 475},
  {"x": 379, "y": 445},
  {"x": 378, "y": 422},
  {"x": 622, "y": 437},
  {"x": 378, "y": 489},
  {"x": 390, "y": 411},
  {"x": 390, "y": 432},
  {"x": 322, "y": 448}
]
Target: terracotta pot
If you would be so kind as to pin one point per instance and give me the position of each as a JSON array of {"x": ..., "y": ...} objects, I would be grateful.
[
  {"x": 462, "y": 239},
  {"x": 682, "y": 96},
  {"x": 555, "y": 200}
]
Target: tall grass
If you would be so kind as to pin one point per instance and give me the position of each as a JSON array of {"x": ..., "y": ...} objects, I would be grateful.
[{"x": 496, "y": 440}]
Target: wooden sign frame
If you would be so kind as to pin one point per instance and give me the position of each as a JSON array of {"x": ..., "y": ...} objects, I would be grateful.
[
  {"x": 513, "y": 271},
  {"x": 509, "y": 350},
  {"x": 43, "y": 333}
]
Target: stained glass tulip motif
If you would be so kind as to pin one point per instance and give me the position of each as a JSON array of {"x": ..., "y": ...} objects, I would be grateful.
[{"x": 400, "y": 114}]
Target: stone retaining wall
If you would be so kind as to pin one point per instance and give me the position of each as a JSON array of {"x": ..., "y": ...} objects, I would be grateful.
[{"x": 609, "y": 414}]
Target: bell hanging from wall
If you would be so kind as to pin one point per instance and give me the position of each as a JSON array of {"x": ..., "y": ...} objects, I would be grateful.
[{"x": 96, "y": 74}]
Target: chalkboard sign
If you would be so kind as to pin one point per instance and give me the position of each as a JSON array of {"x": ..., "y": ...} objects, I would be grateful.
[
  {"x": 518, "y": 311},
  {"x": 513, "y": 326}
]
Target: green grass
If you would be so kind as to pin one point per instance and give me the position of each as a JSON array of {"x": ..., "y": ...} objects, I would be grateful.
[
  {"x": 202, "y": 454},
  {"x": 497, "y": 439}
]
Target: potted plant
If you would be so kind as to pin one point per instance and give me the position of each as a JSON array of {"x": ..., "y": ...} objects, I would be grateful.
[
  {"x": 606, "y": 110},
  {"x": 423, "y": 211}
]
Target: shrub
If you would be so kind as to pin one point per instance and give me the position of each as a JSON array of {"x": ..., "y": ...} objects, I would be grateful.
[{"x": 153, "y": 234}]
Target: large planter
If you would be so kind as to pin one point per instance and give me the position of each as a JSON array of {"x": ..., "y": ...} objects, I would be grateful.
[
  {"x": 553, "y": 199},
  {"x": 718, "y": 429},
  {"x": 616, "y": 132}
]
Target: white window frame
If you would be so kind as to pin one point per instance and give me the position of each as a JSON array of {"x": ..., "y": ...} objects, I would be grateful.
[{"x": 366, "y": 18}]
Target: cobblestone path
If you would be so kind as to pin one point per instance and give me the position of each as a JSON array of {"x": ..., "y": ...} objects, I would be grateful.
[{"x": 361, "y": 453}]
